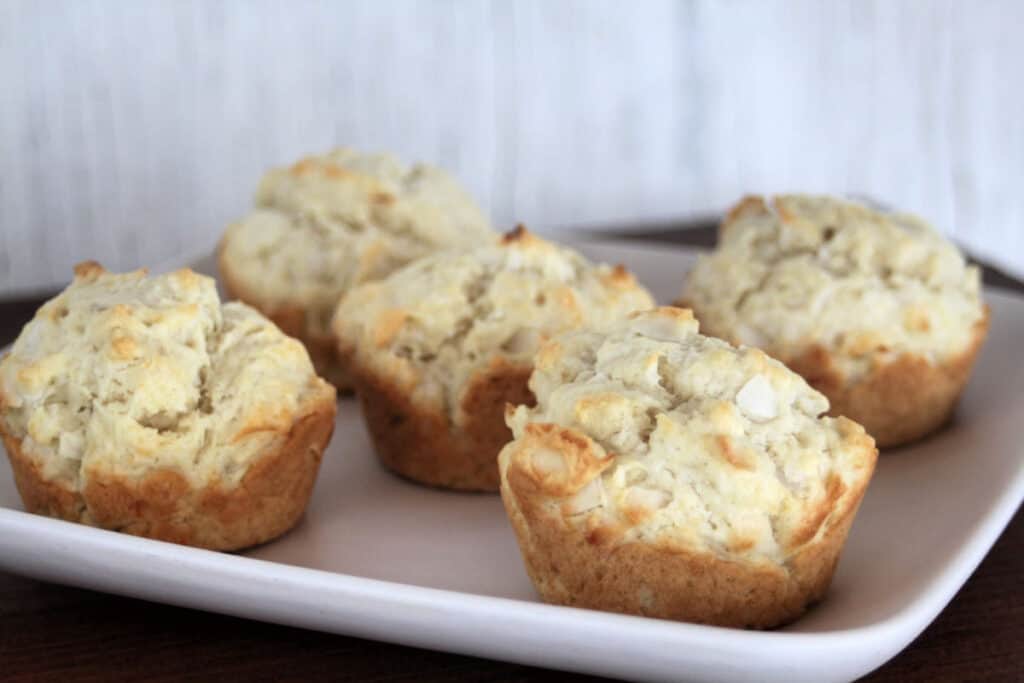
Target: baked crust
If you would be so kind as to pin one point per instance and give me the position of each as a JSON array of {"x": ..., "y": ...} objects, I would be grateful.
[
  {"x": 422, "y": 445},
  {"x": 322, "y": 348},
  {"x": 268, "y": 500},
  {"x": 897, "y": 402},
  {"x": 591, "y": 562}
]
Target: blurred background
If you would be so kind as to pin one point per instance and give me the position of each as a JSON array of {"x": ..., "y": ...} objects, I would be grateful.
[{"x": 133, "y": 132}]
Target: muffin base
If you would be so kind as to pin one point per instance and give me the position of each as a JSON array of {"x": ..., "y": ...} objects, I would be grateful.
[
  {"x": 571, "y": 563},
  {"x": 322, "y": 348},
  {"x": 423, "y": 445},
  {"x": 268, "y": 501},
  {"x": 898, "y": 402}
]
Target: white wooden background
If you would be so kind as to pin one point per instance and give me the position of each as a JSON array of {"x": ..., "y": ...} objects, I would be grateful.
[{"x": 133, "y": 131}]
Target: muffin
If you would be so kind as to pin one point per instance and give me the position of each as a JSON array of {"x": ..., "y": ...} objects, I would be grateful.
[
  {"x": 439, "y": 347},
  {"x": 668, "y": 474},
  {"x": 331, "y": 222},
  {"x": 876, "y": 310},
  {"x": 140, "y": 404}
]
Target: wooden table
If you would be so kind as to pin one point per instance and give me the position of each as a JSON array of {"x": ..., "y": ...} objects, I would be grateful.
[{"x": 54, "y": 632}]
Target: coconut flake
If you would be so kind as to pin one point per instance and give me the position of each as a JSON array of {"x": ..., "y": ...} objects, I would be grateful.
[
  {"x": 587, "y": 498},
  {"x": 648, "y": 498},
  {"x": 757, "y": 399}
]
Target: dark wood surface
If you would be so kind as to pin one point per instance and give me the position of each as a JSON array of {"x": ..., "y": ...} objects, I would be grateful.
[{"x": 50, "y": 632}]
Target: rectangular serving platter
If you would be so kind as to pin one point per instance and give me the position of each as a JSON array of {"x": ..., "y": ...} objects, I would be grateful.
[{"x": 381, "y": 558}]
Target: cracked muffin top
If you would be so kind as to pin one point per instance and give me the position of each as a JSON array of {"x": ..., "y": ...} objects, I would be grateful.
[
  {"x": 132, "y": 374},
  {"x": 801, "y": 271},
  {"x": 649, "y": 431},
  {"x": 437, "y": 322},
  {"x": 330, "y": 222}
]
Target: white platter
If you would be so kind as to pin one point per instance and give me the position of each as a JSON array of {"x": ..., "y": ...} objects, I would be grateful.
[{"x": 381, "y": 558}]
